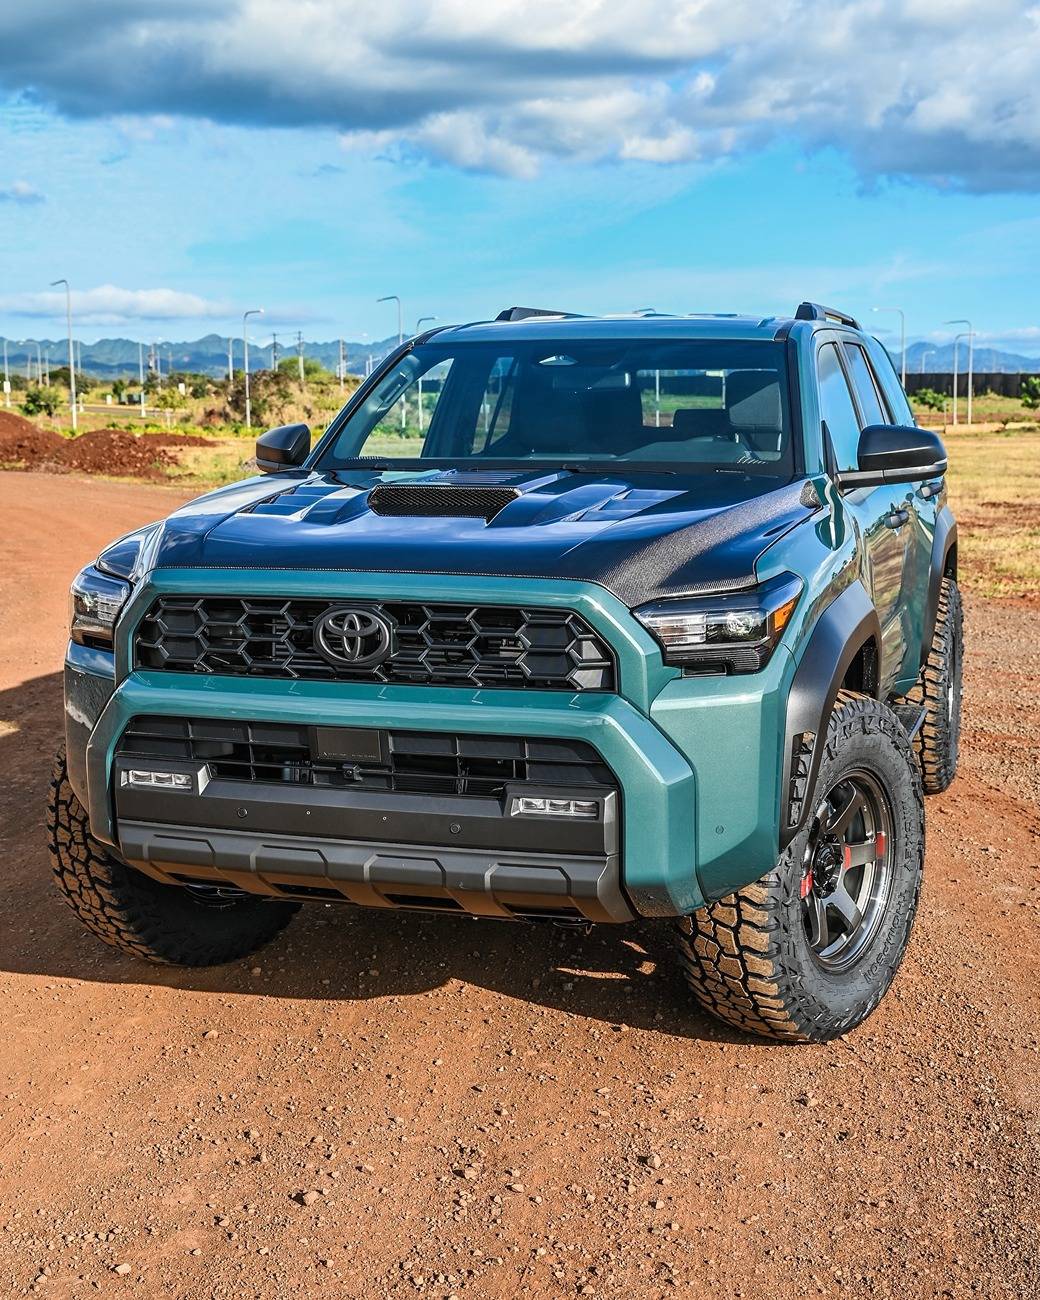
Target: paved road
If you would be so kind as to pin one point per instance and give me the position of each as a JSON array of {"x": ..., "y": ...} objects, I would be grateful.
[{"x": 498, "y": 1111}]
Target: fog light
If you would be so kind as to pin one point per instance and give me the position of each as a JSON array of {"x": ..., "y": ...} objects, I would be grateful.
[
  {"x": 156, "y": 780},
  {"x": 529, "y": 806}
]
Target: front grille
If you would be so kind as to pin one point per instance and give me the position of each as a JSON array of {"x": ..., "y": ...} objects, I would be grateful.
[
  {"x": 436, "y": 763},
  {"x": 433, "y": 645},
  {"x": 439, "y": 500}
]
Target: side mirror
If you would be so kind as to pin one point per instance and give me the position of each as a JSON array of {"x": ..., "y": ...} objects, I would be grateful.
[
  {"x": 286, "y": 447},
  {"x": 895, "y": 453}
]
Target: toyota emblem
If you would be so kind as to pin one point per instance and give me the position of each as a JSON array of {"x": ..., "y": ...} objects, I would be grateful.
[{"x": 354, "y": 637}]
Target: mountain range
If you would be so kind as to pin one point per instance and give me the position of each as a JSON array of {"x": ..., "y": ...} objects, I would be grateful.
[{"x": 112, "y": 358}]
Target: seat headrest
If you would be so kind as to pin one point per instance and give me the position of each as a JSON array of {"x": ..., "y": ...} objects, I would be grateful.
[
  {"x": 753, "y": 401},
  {"x": 699, "y": 422}
]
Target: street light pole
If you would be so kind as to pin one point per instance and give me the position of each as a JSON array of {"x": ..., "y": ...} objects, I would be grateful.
[
  {"x": 392, "y": 297},
  {"x": 418, "y": 329},
  {"x": 7, "y": 378},
  {"x": 928, "y": 352},
  {"x": 72, "y": 354},
  {"x": 970, "y": 336},
  {"x": 956, "y": 371},
  {"x": 902, "y": 338},
  {"x": 253, "y": 311}
]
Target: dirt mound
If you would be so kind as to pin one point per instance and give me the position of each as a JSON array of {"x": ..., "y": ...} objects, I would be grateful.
[
  {"x": 110, "y": 451},
  {"x": 102, "y": 451},
  {"x": 21, "y": 442}
]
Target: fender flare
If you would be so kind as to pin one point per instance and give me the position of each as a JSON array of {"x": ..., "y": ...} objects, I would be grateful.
[
  {"x": 844, "y": 627},
  {"x": 943, "y": 542}
]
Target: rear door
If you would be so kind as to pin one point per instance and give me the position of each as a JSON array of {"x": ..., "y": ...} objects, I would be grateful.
[{"x": 877, "y": 513}]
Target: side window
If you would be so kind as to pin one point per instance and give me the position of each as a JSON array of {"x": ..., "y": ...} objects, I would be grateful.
[
  {"x": 890, "y": 385},
  {"x": 836, "y": 407},
  {"x": 870, "y": 400}
]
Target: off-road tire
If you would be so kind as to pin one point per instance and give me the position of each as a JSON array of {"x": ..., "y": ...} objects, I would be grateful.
[
  {"x": 748, "y": 957},
  {"x": 938, "y": 692},
  {"x": 166, "y": 924}
]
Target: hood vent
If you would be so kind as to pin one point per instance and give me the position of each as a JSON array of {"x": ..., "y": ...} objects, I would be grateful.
[{"x": 440, "y": 500}]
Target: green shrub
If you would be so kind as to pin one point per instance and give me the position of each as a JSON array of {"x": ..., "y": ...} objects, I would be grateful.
[
  {"x": 1030, "y": 393},
  {"x": 930, "y": 399}
]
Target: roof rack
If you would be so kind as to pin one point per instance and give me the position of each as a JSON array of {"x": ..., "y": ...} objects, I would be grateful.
[
  {"x": 526, "y": 313},
  {"x": 814, "y": 311}
]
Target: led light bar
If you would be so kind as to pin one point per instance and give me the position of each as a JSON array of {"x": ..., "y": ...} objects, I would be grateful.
[
  {"x": 156, "y": 780},
  {"x": 529, "y": 806}
]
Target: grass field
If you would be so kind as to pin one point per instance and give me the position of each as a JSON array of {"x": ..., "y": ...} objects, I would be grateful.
[{"x": 994, "y": 483}]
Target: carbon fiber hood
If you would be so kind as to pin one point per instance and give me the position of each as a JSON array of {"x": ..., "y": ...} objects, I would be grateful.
[{"x": 643, "y": 536}]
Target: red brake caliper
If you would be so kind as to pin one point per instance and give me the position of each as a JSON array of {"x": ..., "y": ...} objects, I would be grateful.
[{"x": 807, "y": 883}]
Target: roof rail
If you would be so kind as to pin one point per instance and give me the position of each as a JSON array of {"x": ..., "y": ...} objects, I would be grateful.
[
  {"x": 525, "y": 313},
  {"x": 814, "y": 311}
]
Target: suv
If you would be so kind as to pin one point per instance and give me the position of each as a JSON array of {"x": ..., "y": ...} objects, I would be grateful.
[{"x": 568, "y": 618}]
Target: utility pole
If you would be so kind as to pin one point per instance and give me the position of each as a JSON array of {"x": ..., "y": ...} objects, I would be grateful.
[
  {"x": 970, "y": 335},
  {"x": 342, "y": 366},
  {"x": 902, "y": 339},
  {"x": 7, "y": 378},
  {"x": 72, "y": 353},
  {"x": 253, "y": 311},
  {"x": 47, "y": 366},
  {"x": 274, "y": 351},
  {"x": 299, "y": 351},
  {"x": 140, "y": 373},
  {"x": 230, "y": 362}
]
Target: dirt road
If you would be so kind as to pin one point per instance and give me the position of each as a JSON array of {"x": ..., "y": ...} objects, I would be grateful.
[{"x": 493, "y": 1111}]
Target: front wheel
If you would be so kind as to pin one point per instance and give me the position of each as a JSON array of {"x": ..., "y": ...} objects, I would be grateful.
[
  {"x": 168, "y": 924},
  {"x": 808, "y": 952}
]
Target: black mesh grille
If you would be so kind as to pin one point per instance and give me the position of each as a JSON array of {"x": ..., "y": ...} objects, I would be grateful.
[
  {"x": 417, "y": 762},
  {"x": 456, "y": 502},
  {"x": 433, "y": 645}
]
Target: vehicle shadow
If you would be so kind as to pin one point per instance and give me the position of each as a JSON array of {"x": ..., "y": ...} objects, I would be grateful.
[{"x": 623, "y": 976}]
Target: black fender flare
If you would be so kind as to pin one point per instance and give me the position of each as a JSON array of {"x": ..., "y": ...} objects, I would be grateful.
[
  {"x": 943, "y": 542},
  {"x": 844, "y": 627}
]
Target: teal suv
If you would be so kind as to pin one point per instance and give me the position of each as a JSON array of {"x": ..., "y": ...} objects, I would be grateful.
[{"x": 564, "y": 618}]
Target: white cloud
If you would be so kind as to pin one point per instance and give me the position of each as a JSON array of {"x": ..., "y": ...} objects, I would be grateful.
[
  {"x": 945, "y": 91},
  {"x": 20, "y": 192},
  {"x": 109, "y": 305}
]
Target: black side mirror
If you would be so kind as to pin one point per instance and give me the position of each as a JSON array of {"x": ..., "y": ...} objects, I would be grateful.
[
  {"x": 286, "y": 447},
  {"x": 895, "y": 453}
]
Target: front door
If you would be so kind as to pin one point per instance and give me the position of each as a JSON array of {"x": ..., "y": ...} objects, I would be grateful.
[{"x": 881, "y": 516}]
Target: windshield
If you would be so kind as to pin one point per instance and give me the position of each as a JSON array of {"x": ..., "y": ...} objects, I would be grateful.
[{"x": 695, "y": 405}]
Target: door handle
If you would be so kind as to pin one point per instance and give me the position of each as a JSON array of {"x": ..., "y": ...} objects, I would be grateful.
[
  {"x": 896, "y": 518},
  {"x": 931, "y": 489}
]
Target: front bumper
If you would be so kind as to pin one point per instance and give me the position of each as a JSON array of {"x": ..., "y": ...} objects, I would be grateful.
[{"x": 696, "y": 761}]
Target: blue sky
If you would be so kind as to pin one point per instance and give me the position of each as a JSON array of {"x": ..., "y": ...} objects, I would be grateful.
[{"x": 178, "y": 164}]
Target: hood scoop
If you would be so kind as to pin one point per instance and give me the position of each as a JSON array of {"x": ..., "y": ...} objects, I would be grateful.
[{"x": 441, "y": 500}]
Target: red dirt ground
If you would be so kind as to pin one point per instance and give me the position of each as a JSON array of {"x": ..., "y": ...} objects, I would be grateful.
[{"x": 495, "y": 1111}]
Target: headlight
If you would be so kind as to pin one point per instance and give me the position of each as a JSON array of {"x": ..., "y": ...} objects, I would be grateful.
[
  {"x": 103, "y": 588},
  {"x": 731, "y": 633},
  {"x": 96, "y": 600}
]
